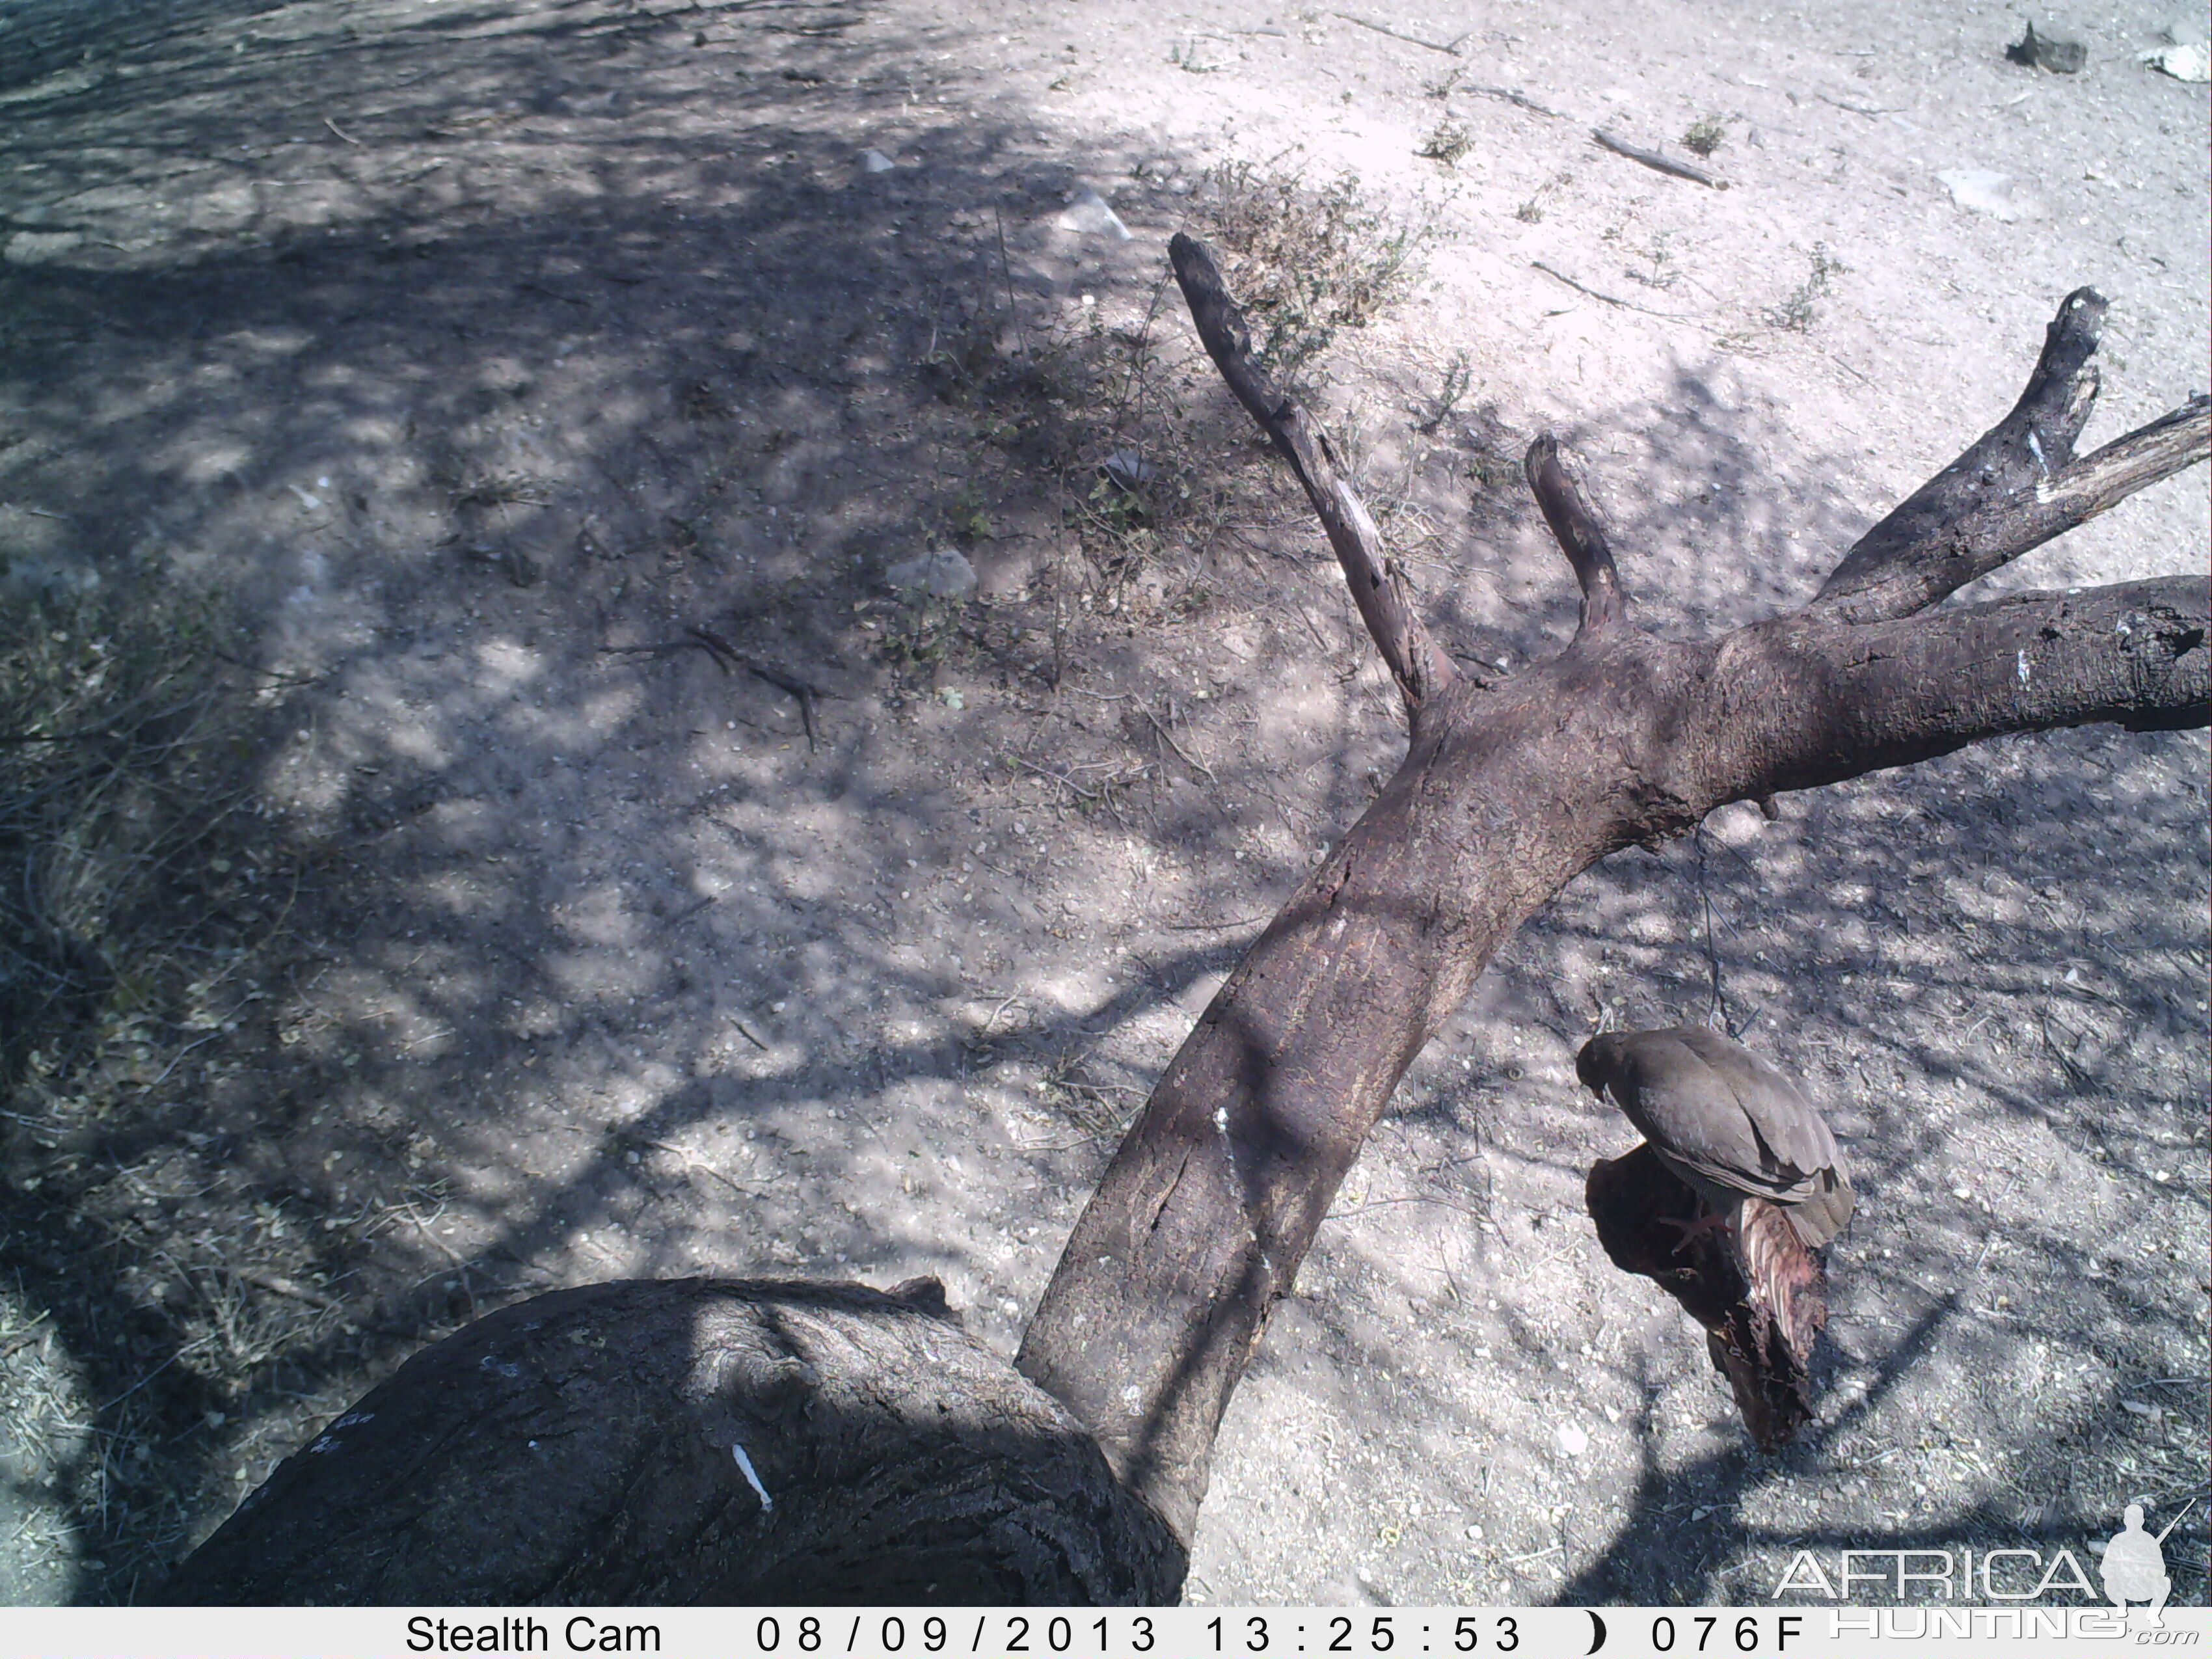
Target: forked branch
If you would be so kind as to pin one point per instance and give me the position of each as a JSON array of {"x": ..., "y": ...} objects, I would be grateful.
[
  {"x": 2016, "y": 487},
  {"x": 1909, "y": 578},
  {"x": 1386, "y": 606},
  {"x": 1507, "y": 793}
]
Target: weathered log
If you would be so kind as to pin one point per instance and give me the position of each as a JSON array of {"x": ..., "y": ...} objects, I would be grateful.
[
  {"x": 1508, "y": 791},
  {"x": 695, "y": 1440},
  {"x": 1761, "y": 1295}
]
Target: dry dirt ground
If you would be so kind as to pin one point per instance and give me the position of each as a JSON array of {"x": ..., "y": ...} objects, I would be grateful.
[{"x": 466, "y": 346}]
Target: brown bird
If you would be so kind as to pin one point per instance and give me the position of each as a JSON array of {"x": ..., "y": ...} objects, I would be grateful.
[{"x": 1727, "y": 1123}]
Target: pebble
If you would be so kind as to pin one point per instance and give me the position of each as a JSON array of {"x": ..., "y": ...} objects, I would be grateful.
[{"x": 944, "y": 572}]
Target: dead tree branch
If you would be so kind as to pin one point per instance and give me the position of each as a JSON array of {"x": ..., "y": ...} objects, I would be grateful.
[
  {"x": 1423, "y": 671},
  {"x": 2017, "y": 485},
  {"x": 1901, "y": 578},
  {"x": 1508, "y": 791},
  {"x": 1658, "y": 163},
  {"x": 1575, "y": 527},
  {"x": 1760, "y": 1295},
  {"x": 718, "y": 1441}
]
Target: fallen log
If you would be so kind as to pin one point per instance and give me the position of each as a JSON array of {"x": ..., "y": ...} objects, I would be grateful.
[{"x": 695, "y": 1440}]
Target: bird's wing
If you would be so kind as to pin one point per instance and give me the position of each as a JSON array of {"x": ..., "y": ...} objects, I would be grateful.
[
  {"x": 1704, "y": 1112},
  {"x": 1789, "y": 1125},
  {"x": 1797, "y": 1162},
  {"x": 1687, "y": 1111}
]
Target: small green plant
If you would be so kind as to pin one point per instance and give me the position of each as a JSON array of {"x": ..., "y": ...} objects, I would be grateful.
[
  {"x": 1663, "y": 272},
  {"x": 1458, "y": 380},
  {"x": 1797, "y": 312},
  {"x": 971, "y": 516},
  {"x": 1704, "y": 136},
  {"x": 1447, "y": 145},
  {"x": 1531, "y": 212},
  {"x": 923, "y": 631},
  {"x": 1185, "y": 56}
]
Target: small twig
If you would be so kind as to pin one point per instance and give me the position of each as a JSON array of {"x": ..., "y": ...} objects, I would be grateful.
[
  {"x": 555, "y": 294},
  {"x": 1855, "y": 109},
  {"x": 692, "y": 1161},
  {"x": 719, "y": 648},
  {"x": 1137, "y": 346},
  {"x": 1520, "y": 99},
  {"x": 745, "y": 1032},
  {"x": 1006, "y": 271},
  {"x": 35, "y": 512},
  {"x": 274, "y": 676},
  {"x": 1416, "y": 1198},
  {"x": 728, "y": 658},
  {"x": 1654, "y": 160},
  {"x": 1533, "y": 1555},
  {"x": 983, "y": 1031},
  {"x": 1067, "y": 783},
  {"x": 1451, "y": 50},
  {"x": 1612, "y": 300},
  {"x": 690, "y": 911},
  {"x": 1719, "y": 1004},
  {"x": 2080, "y": 1078},
  {"x": 283, "y": 1286},
  {"x": 424, "y": 1228},
  {"x": 341, "y": 131},
  {"x": 179, "y": 1057},
  {"x": 1169, "y": 738}
]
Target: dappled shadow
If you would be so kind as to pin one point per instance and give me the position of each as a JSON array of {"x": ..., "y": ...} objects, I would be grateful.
[
  {"x": 462, "y": 345},
  {"x": 451, "y": 391}
]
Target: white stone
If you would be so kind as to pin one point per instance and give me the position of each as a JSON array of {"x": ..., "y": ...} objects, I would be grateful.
[
  {"x": 1087, "y": 212},
  {"x": 942, "y": 572},
  {"x": 2185, "y": 61},
  {"x": 1993, "y": 193}
]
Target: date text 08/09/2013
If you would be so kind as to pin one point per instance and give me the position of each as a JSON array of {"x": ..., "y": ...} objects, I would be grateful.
[{"x": 1043, "y": 1636}]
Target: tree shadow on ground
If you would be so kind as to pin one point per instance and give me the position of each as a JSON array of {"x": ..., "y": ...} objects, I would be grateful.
[{"x": 463, "y": 347}]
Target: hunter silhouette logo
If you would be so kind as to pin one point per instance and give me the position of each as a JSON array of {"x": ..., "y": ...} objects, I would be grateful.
[{"x": 2134, "y": 1566}]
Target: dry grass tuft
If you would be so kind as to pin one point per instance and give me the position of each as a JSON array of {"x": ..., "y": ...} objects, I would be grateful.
[
  {"x": 143, "y": 903},
  {"x": 1304, "y": 263}
]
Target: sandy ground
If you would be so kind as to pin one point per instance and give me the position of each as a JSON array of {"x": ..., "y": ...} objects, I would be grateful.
[{"x": 463, "y": 343}]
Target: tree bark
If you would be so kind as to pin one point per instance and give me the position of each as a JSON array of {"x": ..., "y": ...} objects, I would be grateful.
[
  {"x": 1509, "y": 791},
  {"x": 695, "y": 1440}
]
